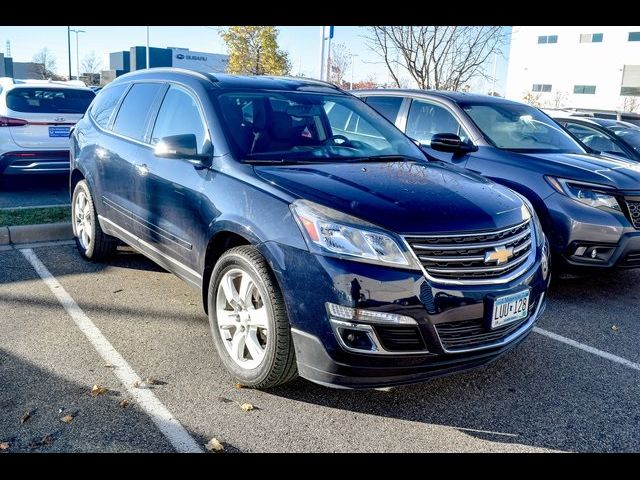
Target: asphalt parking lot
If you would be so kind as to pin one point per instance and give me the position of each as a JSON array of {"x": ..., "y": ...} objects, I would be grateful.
[
  {"x": 550, "y": 394},
  {"x": 34, "y": 191}
]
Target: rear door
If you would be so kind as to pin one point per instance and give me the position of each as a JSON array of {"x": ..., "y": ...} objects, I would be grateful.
[
  {"x": 387, "y": 105},
  {"x": 122, "y": 178},
  {"x": 48, "y": 113}
]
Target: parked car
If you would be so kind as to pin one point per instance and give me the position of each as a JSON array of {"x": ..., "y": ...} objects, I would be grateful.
[
  {"x": 346, "y": 258},
  {"x": 35, "y": 119},
  {"x": 628, "y": 117},
  {"x": 588, "y": 204},
  {"x": 602, "y": 135}
]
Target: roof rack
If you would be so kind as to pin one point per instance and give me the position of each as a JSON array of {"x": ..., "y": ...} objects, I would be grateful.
[{"x": 305, "y": 79}]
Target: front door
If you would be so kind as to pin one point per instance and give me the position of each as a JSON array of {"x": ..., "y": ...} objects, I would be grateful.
[
  {"x": 425, "y": 119},
  {"x": 172, "y": 188}
]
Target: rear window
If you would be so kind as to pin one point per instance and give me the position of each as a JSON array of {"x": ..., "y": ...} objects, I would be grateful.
[{"x": 49, "y": 100}]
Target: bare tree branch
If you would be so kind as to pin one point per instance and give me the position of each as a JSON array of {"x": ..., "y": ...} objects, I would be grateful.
[{"x": 439, "y": 57}]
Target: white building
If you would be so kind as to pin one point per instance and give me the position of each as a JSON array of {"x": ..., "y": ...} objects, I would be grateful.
[{"x": 576, "y": 67}]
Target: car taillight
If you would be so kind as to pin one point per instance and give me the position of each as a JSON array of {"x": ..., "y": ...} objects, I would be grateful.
[{"x": 12, "y": 122}]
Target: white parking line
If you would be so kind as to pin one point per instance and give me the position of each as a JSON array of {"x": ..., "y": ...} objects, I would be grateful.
[
  {"x": 587, "y": 348},
  {"x": 159, "y": 414}
]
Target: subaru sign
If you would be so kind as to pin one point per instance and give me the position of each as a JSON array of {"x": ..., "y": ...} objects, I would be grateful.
[{"x": 205, "y": 62}]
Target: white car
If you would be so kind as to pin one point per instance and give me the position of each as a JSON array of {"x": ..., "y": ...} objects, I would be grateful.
[{"x": 35, "y": 120}]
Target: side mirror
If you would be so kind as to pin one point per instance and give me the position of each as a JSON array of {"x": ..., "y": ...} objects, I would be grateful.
[
  {"x": 450, "y": 142},
  {"x": 183, "y": 147}
]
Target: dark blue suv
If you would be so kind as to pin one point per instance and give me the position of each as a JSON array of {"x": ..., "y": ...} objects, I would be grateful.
[{"x": 346, "y": 258}]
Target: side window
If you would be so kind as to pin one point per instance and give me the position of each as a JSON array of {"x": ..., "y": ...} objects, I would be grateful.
[
  {"x": 426, "y": 119},
  {"x": 594, "y": 139},
  {"x": 178, "y": 115},
  {"x": 134, "y": 112},
  {"x": 105, "y": 103},
  {"x": 387, "y": 106},
  {"x": 338, "y": 115}
]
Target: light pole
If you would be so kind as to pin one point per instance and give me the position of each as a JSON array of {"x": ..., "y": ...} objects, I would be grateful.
[
  {"x": 77, "y": 52},
  {"x": 322, "y": 35},
  {"x": 353, "y": 55},
  {"x": 148, "y": 47},
  {"x": 69, "y": 48}
]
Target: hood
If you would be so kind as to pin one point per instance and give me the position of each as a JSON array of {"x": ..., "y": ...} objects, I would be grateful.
[
  {"x": 405, "y": 197},
  {"x": 605, "y": 169}
]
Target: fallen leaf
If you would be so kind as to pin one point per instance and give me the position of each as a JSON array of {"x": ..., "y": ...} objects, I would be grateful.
[
  {"x": 151, "y": 381},
  {"x": 238, "y": 385},
  {"x": 615, "y": 328},
  {"x": 4, "y": 446},
  {"x": 225, "y": 400},
  {"x": 108, "y": 365},
  {"x": 214, "y": 445},
  {"x": 136, "y": 384},
  {"x": 124, "y": 403},
  {"x": 98, "y": 390},
  {"x": 246, "y": 407},
  {"x": 25, "y": 417},
  {"x": 67, "y": 418}
]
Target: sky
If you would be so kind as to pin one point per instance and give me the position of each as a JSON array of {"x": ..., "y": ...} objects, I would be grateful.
[{"x": 302, "y": 43}]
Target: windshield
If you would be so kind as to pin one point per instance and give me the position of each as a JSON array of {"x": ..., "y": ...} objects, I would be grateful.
[
  {"x": 629, "y": 135},
  {"x": 520, "y": 128},
  {"x": 49, "y": 100},
  {"x": 305, "y": 126}
]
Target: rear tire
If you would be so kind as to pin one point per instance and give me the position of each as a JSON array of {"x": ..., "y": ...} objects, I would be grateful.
[
  {"x": 248, "y": 320},
  {"x": 92, "y": 242}
]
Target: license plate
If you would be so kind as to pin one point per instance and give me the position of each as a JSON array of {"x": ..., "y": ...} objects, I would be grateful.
[
  {"x": 59, "y": 131},
  {"x": 510, "y": 308}
]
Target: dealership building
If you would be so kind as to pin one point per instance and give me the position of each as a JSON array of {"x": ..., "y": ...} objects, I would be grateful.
[
  {"x": 136, "y": 59},
  {"x": 575, "y": 67}
]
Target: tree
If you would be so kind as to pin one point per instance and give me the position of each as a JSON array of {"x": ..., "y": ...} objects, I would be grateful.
[
  {"x": 438, "y": 57},
  {"x": 45, "y": 64},
  {"x": 91, "y": 65},
  {"x": 370, "y": 82},
  {"x": 558, "y": 99},
  {"x": 339, "y": 62},
  {"x": 253, "y": 50},
  {"x": 532, "y": 98},
  {"x": 630, "y": 104}
]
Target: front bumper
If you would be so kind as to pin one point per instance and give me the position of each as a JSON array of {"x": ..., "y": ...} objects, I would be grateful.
[
  {"x": 309, "y": 281},
  {"x": 34, "y": 162},
  {"x": 578, "y": 230}
]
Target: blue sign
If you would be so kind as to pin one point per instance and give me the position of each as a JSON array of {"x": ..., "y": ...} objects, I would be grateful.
[
  {"x": 59, "y": 131},
  {"x": 331, "y": 31}
]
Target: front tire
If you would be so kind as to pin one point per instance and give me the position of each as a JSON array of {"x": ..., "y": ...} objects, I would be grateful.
[
  {"x": 91, "y": 241},
  {"x": 248, "y": 320}
]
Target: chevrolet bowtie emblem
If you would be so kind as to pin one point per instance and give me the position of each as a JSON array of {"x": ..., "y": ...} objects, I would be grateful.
[{"x": 499, "y": 255}]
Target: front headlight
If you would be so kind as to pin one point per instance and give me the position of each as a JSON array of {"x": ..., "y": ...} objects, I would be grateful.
[
  {"x": 590, "y": 194},
  {"x": 537, "y": 226},
  {"x": 330, "y": 232}
]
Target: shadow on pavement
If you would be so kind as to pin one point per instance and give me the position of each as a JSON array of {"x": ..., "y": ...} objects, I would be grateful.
[{"x": 33, "y": 190}]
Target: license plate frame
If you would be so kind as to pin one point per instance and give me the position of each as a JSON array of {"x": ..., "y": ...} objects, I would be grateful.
[
  {"x": 510, "y": 299},
  {"x": 59, "y": 132}
]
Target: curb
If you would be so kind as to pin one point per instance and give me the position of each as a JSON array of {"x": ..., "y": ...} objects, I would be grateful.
[{"x": 47, "y": 232}]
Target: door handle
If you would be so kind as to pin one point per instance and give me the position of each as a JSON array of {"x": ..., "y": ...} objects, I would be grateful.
[{"x": 142, "y": 168}]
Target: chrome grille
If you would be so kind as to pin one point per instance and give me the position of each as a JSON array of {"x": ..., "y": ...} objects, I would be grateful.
[
  {"x": 467, "y": 256},
  {"x": 634, "y": 211}
]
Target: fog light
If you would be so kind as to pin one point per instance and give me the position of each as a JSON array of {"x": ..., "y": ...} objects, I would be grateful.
[
  {"x": 367, "y": 316},
  {"x": 594, "y": 253}
]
